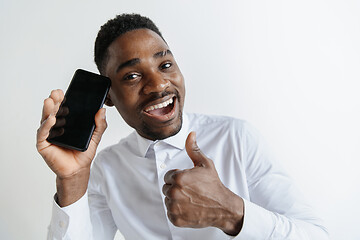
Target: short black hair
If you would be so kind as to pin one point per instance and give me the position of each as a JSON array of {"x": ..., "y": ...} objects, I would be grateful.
[{"x": 113, "y": 29}]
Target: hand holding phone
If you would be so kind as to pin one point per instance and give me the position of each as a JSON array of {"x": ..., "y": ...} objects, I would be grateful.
[
  {"x": 75, "y": 119},
  {"x": 72, "y": 167}
]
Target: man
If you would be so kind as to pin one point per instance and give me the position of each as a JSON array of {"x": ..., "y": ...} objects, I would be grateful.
[{"x": 177, "y": 176}]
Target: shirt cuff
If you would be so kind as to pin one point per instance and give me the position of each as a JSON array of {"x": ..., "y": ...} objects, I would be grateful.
[
  {"x": 70, "y": 220},
  {"x": 258, "y": 222}
]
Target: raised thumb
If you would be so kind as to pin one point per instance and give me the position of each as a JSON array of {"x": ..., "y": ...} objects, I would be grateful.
[{"x": 194, "y": 152}]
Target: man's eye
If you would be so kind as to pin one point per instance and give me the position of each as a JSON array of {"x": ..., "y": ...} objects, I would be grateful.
[
  {"x": 166, "y": 65},
  {"x": 131, "y": 76}
]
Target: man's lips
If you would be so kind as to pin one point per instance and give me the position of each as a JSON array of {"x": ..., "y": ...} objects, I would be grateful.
[
  {"x": 159, "y": 105},
  {"x": 162, "y": 110}
]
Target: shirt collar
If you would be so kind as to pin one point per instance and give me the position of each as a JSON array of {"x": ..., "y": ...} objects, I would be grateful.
[{"x": 178, "y": 140}]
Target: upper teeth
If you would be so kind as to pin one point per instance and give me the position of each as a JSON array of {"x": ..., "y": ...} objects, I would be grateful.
[{"x": 160, "y": 105}]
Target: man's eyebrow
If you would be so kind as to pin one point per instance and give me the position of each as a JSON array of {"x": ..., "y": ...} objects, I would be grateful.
[
  {"x": 128, "y": 63},
  {"x": 135, "y": 61},
  {"x": 162, "y": 53}
]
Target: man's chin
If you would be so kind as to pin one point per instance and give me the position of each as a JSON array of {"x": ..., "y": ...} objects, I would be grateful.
[{"x": 152, "y": 133}]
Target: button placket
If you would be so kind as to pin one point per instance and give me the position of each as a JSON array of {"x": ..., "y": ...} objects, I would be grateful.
[
  {"x": 162, "y": 165},
  {"x": 161, "y": 156},
  {"x": 62, "y": 224}
]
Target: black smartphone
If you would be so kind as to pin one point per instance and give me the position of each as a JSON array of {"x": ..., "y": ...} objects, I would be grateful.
[{"x": 75, "y": 120}]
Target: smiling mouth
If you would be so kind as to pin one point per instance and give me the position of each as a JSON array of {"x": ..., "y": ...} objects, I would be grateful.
[{"x": 161, "y": 109}]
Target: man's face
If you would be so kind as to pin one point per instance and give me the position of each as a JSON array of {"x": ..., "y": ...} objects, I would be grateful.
[{"x": 147, "y": 85}]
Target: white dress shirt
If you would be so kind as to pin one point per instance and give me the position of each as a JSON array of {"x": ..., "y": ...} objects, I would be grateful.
[{"x": 125, "y": 188}]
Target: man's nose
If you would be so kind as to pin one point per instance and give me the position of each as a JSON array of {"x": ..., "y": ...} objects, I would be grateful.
[{"x": 155, "y": 83}]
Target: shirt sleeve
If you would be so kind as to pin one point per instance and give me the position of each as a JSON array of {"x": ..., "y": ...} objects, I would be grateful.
[
  {"x": 275, "y": 209},
  {"x": 89, "y": 218},
  {"x": 71, "y": 222}
]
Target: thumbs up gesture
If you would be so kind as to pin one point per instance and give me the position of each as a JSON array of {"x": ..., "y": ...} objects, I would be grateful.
[{"x": 196, "y": 197}]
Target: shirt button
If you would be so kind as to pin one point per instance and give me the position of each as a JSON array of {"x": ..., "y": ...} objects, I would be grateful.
[
  {"x": 62, "y": 224},
  {"x": 163, "y": 166}
]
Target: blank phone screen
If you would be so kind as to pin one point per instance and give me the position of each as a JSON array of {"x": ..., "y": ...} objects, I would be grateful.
[{"x": 76, "y": 116}]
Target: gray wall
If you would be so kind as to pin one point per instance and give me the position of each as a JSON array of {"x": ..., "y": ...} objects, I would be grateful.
[{"x": 291, "y": 68}]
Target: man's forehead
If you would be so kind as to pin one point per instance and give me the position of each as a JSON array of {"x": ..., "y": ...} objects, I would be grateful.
[
  {"x": 137, "y": 41},
  {"x": 129, "y": 48}
]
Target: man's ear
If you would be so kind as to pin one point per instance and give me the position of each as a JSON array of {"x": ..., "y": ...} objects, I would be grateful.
[{"x": 108, "y": 101}]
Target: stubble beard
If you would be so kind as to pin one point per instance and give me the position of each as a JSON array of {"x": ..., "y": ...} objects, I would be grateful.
[
  {"x": 160, "y": 135},
  {"x": 151, "y": 133}
]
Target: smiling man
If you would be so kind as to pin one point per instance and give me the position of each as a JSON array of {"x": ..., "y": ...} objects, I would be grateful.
[
  {"x": 147, "y": 85},
  {"x": 177, "y": 176}
]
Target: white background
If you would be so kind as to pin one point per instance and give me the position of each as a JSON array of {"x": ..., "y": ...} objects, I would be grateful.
[{"x": 291, "y": 68}]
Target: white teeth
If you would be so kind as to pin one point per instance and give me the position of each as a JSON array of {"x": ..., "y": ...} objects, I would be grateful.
[{"x": 160, "y": 105}]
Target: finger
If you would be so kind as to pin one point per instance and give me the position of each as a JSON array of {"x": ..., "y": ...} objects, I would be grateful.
[
  {"x": 174, "y": 215},
  {"x": 52, "y": 104},
  {"x": 63, "y": 111},
  {"x": 58, "y": 98},
  {"x": 174, "y": 193},
  {"x": 199, "y": 159},
  {"x": 167, "y": 202},
  {"x": 165, "y": 189},
  {"x": 47, "y": 109},
  {"x": 57, "y": 95},
  {"x": 172, "y": 207},
  {"x": 60, "y": 122},
  {"x": 169, "y": 177},
  {"x": 100, "y": 127},
  {"x": 56, "y": 132},
  {"x": 43, "y": 132}
]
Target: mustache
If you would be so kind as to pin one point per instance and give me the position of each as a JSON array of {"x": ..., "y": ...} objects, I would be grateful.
[{"x": 155, "y": 96}]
